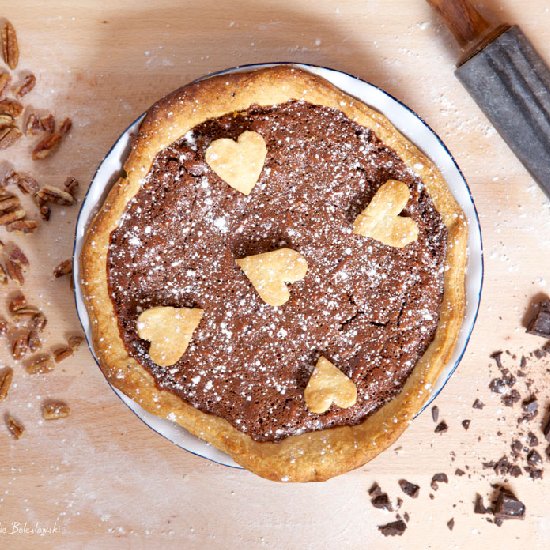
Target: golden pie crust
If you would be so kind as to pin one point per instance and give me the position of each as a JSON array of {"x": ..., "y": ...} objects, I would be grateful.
[{"x": 314, "y": 456}]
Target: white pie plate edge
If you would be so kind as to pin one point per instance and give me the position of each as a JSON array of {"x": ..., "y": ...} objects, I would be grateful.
[{"x": 408, "y": 123}]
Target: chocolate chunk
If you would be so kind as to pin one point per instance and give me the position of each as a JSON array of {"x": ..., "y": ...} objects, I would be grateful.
[
  {"x": 406, "y": 517},
  {"x": 441, "y": 427},
  {"x": 451, "y": 524},
  {"x": 502, "y": 466},
  {"x": 508, "y": 506},
  {"x": 459, "y": 472},
  {"x": 479, "y": 507},
  {"x": 548, "y": 453},
  {"x": 540, "y": 324},
  {"x": 435, "y": 413},
  {"x": 375, "y": 490},
  {"x": 531, "y": 407},
  {"x": 546, "y": 430},
  {"x": 535, "y": 473},
  {"x": 534, "y": 458},
  {"x": 399, "y": 502},
  {"x": 478, "y": 404},
  {"x": 410, "y": 489},
  {"x": 382, "y": 501},
  {"x": 514, "y": 471},
  {"x": 438, "y": 478},
  {"x": 466, "y": 424},
  {"x": 394, "y": 528},
  {"x": 510, "y": 398},
  {"x": 532, "y": 439},
  {"x": 497, "y": 385},
  {"x": 517, "y": 447}
]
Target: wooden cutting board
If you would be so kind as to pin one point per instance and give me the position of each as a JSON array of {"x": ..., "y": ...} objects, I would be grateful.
[{"x": 101, "y": 476}]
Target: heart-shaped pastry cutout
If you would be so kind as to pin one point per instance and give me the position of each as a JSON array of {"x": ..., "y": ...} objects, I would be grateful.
[
  {"x": 270, "y": 271},
  {"x": 239, "y": 163},
  {"x": 328, "y": 385},
  {"x": 381, "y": 221},
  {"x": 169, "y": 329}
]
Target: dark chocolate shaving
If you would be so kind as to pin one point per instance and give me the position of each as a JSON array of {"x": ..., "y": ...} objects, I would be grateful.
[
  {"x": 395, "y": 528},
  {"x": 508, "y": 506},
  {"x": 441, "y": 427},
  {"x": 478, "y": 404},
  {"x": 382, "y": 501},
  {"x": 410, "y": 489},
  {"x": 540, "y": 324}
]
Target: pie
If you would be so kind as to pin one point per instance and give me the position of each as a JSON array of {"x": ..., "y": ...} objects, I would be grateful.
[{"x": 278, "y": 270}]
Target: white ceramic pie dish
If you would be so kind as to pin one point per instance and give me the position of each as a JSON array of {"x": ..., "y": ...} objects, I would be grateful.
[{"x": 407, "y": 122}]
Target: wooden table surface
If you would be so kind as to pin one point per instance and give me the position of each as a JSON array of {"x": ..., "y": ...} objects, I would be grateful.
[{"x": 101, "y": 478}]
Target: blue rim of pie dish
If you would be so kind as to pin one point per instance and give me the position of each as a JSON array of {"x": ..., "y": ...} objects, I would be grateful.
[{"x": 238, "y": 68}]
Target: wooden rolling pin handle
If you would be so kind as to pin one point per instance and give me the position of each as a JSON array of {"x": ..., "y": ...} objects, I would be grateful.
[{"x": 462, "y": 19}]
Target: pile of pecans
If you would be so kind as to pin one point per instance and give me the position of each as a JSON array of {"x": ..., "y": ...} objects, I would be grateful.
[
  {"x": 26, "y": 322},
  {"x": 11, "y": 108}
]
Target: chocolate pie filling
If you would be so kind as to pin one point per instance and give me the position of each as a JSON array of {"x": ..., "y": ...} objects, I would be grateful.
[{"x": 370, "y": 309}]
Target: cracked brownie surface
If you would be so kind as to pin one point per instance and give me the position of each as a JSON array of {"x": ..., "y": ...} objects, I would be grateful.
[{"x": 369, "y": 308}]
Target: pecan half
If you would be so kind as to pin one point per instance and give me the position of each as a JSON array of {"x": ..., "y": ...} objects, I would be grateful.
[
  {"x": 10, "y": 178},
  {"x": 49, "y": 193},
  {"x": 20, "y": 345},
  {"x": 45, "y": 147},
  {"x": 27, "y": 184},
  {"x": 64, "y": 268},
  {"x": 24, "y": 226},
  {"x": 11, "y": 107},
  {"x": 8, "y": 203},
  {"x": 49, "y": 144},
  {"x": 35, "y": 124},
  {"x": 47, "y": 123},
  {"x": 54, "y": 410},
  {"x": 15, "y": 264},
  {"x": 6, "y": 121},
  {"x": 25, "y": 313},
  {"x": 10, "y": 47},
  {"x": 4, "y": 81},
  {"x": 15, "y": 271},
  {"x": 61, "y": 353},
  {"x": 38, "y": 322},
  {"x": 17, "y": 255},
  {"x": 75, "y": 341},
  {"x": 26, "y": 86},
  {"x": 71, "y": 186},
  {"x": 6, "y": 376},
  {"x": 17, "y": 302},
  {"x": 13, "y": 215},
  {"x": 40, "y": 364},
  {"x": 8, "y": 136},
  {"x": 34, "y": 343},
  {"x": 15, "y": 427}
]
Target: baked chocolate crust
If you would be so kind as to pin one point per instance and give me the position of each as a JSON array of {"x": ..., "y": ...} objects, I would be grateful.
[
  {"x": 370, "y": 308},
  {"x": 314, "y": 455}
]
